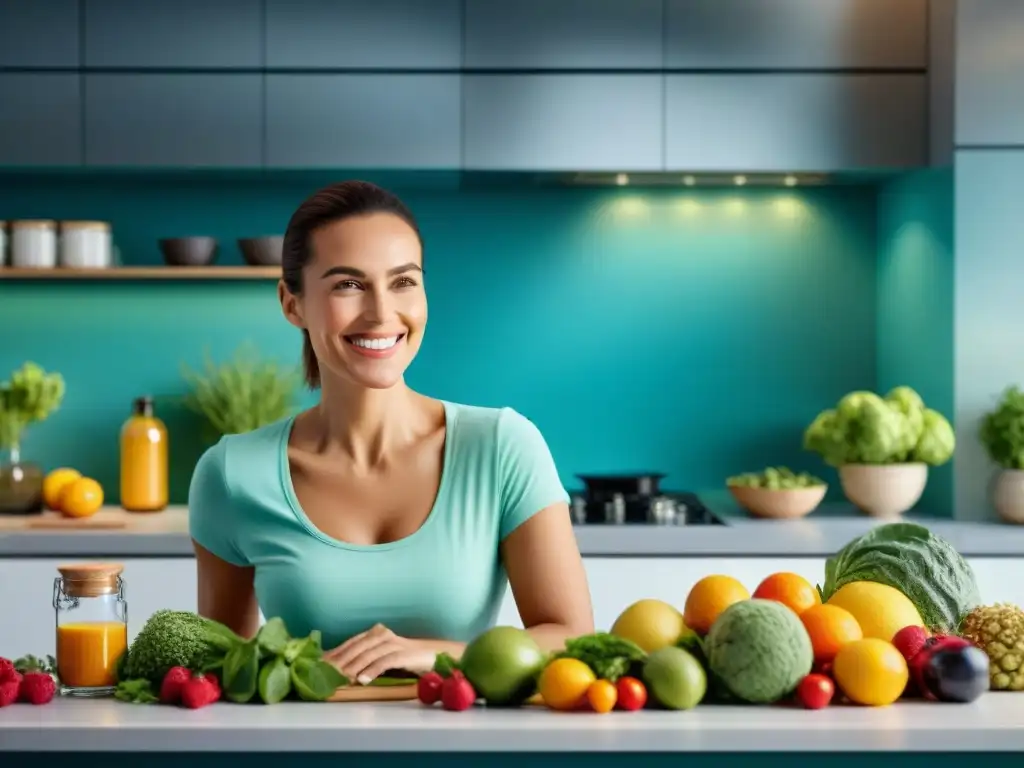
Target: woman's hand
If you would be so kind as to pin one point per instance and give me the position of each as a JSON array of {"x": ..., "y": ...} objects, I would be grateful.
[{"x": 369, "y": 654}]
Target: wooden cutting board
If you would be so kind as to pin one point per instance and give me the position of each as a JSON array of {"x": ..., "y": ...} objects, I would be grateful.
[
  {"x": 375, "y": 693},
  {"x": 59, "y": 522}
]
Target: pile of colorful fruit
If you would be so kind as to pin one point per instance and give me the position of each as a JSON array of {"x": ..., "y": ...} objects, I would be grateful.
[{"x": 898, "y": 615}]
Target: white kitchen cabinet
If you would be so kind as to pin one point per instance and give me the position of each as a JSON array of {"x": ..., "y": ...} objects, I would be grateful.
[{"x": 614, "y": 583}]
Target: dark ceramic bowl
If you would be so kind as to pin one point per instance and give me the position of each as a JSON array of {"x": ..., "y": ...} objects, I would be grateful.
[
  {"x": 262, "y": 251},
  {"x": 189, "y": 251}
]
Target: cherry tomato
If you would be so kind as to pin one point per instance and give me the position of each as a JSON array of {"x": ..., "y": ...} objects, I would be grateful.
[
  {"x": 602, "y": 695},
  {"x": 815, "y": 691},
  {"x": 632, "y": 694}
]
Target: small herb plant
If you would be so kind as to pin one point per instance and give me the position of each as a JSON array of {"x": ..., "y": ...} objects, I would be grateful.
[
  {"x": 243, "y": 393},
  {"x": 1002, "y": 430},
  {"x": 29, "y": 396}
]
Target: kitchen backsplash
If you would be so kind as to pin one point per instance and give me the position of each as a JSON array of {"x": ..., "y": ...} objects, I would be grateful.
[{"x": 694, "y": 332}]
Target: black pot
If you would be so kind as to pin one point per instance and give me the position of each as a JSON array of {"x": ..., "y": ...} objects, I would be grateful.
[
  {"x": 641, "y": 484},
  {"x": 189, "y": 251}
]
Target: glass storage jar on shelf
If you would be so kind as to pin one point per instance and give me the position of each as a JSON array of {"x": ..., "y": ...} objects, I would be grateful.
[{"x": 92, "y": 627}]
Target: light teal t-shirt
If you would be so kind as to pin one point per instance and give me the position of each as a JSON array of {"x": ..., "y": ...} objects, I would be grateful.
[{"x": 444, "y": 581}]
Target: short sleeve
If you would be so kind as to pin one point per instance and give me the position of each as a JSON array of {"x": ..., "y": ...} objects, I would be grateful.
[
  {"x": 527, "y": 475},
  {"x": 209, "y": 507}
]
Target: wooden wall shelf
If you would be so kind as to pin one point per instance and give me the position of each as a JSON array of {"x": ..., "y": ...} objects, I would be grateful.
[{"x": 143, "y": 273}]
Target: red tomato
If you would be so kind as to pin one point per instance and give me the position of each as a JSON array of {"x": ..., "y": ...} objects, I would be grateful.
[
  {"x": 632, "y": 694},
  {"x": 815, "y": 691}
]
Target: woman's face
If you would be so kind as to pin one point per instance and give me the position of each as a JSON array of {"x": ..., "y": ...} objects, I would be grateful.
[{"x": 363, "y": 302}]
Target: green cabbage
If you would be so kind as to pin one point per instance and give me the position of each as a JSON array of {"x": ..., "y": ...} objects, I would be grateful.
[
  {"x": 923, "y": 566},
  {"x": 865, "y": 428}
]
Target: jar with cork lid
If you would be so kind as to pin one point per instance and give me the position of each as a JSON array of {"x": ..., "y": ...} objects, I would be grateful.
[{"x": 92, "y": 627}]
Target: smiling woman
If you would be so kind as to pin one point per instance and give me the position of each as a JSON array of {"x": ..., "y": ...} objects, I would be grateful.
[{"x": 390, "y": 521}]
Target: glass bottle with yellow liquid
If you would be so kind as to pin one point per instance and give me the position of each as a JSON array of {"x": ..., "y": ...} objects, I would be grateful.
[
  {"x": 143, "y": 459},
  {"x": 92, "y": 627}
]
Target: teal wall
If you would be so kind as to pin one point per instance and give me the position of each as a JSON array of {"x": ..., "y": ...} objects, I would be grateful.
[
  {"x": 693, "y": 333},
  {"x": 915, "y": 300}
]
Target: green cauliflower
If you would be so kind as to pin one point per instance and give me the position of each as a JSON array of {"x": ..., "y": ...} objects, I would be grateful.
[
  {"x": 938, "y": 440},
  {"x": 827, "y": 439},
  {"x": 875, "y": 431},
  {"x": 910, "y": 404},
  {"x": 759, "y": 651},
  {"x": 168, "y": 639}
]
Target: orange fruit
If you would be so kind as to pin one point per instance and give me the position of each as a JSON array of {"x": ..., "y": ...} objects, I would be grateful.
[
  {"x": 830, "y": 628},
  {"x": 563, "y": 683},
  {"x": 55, "y": 483},
  {"x": 708, "y": 598},
  {"x": 871, "y": 672},
  {"x": 602, "y": 696},
  {"x": 793, "y": 591},
  {"x": 81, "y": 498}
]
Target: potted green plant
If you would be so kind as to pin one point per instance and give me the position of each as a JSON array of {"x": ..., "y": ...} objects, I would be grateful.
[
  {"x": 882, "y": 447},
  {"x": 28, "y": 397},
  {"x": 1002, "y": 435},
  {"x": 241, "y": 394}
]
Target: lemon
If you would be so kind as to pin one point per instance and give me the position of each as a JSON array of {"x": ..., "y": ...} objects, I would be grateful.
[
  {"x": 54, "y": 484},
  {"x": 81, "y": 498},
  {"x": 651, "y": 624},
  {"x": 881, "y": 610},
  {"x": 871, "y": 672}
]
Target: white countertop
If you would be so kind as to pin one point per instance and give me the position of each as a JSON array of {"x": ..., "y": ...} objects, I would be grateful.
[
  {"x": 995, "y": 723},
  {"x": 825, "y": 531}
]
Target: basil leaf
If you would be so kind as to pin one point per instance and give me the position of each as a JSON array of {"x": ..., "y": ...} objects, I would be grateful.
[
  {"x": 275, "y": 681},
  {"x": 316, "y": 680},
  {"x": 241, "y": 672},
  {"x": 273, "y": 636}
]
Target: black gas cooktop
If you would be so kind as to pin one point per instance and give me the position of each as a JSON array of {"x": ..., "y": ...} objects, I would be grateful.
[{"x": 636, "y": 499}]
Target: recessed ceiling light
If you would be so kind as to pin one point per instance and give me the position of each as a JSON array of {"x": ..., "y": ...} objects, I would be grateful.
[
  {"x": 689, "y": 181},
  {"x": 622, "y": 179},
  {"x": 790, "y": 181},
  {"x": 739, "y": 181}
]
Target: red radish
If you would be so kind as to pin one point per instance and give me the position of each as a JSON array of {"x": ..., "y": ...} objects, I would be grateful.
[
  {"x": 174, "y": 680},
  {"x": 815, "y": 691},
  {"x": 428, "y": 688},
  {"x": 199, "y": 691},
  {"x": 457, "y": 693}
]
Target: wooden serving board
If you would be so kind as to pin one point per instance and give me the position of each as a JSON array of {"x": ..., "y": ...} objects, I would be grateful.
[
  {"x": 59, "y": 522},
  {"x": 375, "y": 693}
]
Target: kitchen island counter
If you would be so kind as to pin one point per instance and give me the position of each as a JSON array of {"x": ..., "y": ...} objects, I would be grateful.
[
  {"x": 995, "y": 723},
  {"x": 114, "y": 533}
]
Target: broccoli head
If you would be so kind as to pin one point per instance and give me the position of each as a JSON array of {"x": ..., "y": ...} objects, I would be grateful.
[
  {"x": 825, "y": 438},
  {"x": 937, "y": 441},
  {"x": 168, "y": 639},
  {"x": 874, "y": 430}
]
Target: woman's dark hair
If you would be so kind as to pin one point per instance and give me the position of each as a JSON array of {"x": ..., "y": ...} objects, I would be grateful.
[{"x": 330, "y": 204}]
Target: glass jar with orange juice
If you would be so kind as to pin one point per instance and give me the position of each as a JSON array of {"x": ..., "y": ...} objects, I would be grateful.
[{"x": 92, "y": 627}]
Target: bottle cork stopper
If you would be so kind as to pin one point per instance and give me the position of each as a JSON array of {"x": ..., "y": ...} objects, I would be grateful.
[{"x": 91, "y": 579}]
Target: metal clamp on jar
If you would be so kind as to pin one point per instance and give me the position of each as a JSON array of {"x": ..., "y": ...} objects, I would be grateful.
[{"x": 92, "y": 627}]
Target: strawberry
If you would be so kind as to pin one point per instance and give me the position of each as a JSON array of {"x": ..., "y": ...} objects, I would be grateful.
[
  {"x": 170, "y": 688},
  {"x": 10, "y": 687},
  {"x": 37, "y": 688},
  {"x": 6, "y": 668},
  {"x": 199, "y": 691}
]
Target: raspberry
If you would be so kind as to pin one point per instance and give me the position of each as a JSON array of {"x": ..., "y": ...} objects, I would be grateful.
[
  {"x": 910, "y": 640},
  {"x": 174, "y": 680},
  {"x": 37, "y": 688},
  {"x": 10, "y": 687}
]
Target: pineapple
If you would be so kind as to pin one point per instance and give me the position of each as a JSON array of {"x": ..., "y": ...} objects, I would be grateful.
[{"x": 999, "y": 631}]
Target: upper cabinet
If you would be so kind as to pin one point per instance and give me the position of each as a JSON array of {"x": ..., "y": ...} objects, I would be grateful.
[
  {"x": 795, "y": 122},
  {"x": 174, "y": 120},
  {"x": 42, "y": 119},
  {"x": 564, "y": 34},
  {"x": 797, "y": 34},
  {"x": 39, "y": 34},
  {"x": 354, "y": 34},
  {"x": 363, "y": 121},
  {"x": 990, "y": 73},
  {"x": 185, "y": 34},
  {"x": 563, "y": 122}
]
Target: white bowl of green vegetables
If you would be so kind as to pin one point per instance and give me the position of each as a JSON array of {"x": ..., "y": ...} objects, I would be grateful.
[{"x": 777, "y": 493}]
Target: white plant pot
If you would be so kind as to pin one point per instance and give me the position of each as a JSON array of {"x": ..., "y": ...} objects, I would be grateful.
[
  {"x": 885, "y": 491},
  {"x": 1008, "y": 495}
]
